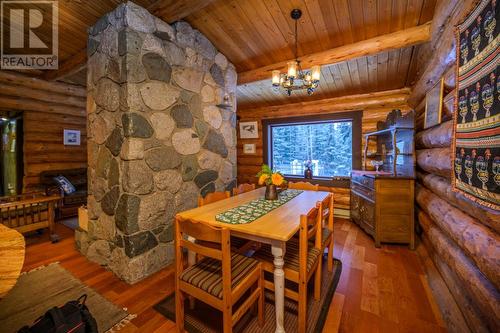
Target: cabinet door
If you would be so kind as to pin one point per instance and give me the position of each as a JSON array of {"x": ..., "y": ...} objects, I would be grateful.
[
  {"x": 368, "y": 215},
  {"x": 355, "y": 208}
]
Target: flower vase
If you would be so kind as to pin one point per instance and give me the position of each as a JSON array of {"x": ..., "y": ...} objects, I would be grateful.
[
  {"x": 271, "y": 192},
  {"x": 308, "y": 174}
]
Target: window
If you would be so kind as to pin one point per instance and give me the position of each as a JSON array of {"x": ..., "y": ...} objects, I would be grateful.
[{"x": 330, "y": 143}]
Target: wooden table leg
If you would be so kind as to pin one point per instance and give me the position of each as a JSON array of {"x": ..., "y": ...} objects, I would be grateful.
[
  {"x": 191, "y": 262},
  {"x": 278, "y": 250}
]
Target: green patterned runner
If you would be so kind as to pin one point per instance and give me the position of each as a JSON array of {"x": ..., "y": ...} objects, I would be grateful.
[{"x": 256, "y": 208}]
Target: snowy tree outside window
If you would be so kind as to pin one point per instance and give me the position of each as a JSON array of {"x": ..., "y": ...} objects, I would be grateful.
[{"x": 328, "y": 145}]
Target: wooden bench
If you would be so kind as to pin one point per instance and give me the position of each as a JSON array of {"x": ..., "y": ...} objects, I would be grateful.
[{"x": 29, "y": 212}]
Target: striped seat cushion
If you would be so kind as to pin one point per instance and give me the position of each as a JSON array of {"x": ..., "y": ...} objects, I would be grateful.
[
  {"x": 207, "y": 274},
  {"x": 291, "y": 255}
]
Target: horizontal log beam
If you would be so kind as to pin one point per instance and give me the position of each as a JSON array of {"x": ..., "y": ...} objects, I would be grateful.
[
  {"x": 436, "y": 161},
  {"x": 20, "y": 91},
  {"x": 478, "y": 242},
  {"x": 435, "y": 137},
  {"x": 376, "y": 100},
  {"x": 442, "y": 188},
  {"x": 482, "y": 295},
  {"x": 9, "y": 103},
  {"x": 472, "y": 315},
  {"x": 395, "y": 40},
  {"x": 450, "y": 311},
  {"x": 31, "y": 82}
]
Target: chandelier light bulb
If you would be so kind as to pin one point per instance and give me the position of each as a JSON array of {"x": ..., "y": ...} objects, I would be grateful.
[
  {"x": 276, "y": 78},
  {"x": 292, "y": 69},
  {"x": 315, "y": 73}
]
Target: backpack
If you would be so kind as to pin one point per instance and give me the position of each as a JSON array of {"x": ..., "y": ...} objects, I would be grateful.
[{"x": 73, "y": 317}]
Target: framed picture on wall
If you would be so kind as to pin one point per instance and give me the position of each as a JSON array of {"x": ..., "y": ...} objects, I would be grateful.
[
  {"x": 71, "y": 137},
  {"x": 249, "y": 148},
  {"x": 249, "y": 130},
  {"x": 434, "y": 105}
]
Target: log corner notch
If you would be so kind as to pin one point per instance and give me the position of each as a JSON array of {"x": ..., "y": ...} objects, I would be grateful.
[{"x": 395, "y": 40}]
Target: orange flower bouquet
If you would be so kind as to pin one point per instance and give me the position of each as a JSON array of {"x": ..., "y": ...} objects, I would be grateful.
[{"x": 271, "y": 180}]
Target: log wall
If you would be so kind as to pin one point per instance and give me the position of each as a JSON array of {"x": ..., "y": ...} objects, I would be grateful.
[
  {"x": 48, "y": 108},
  {"x": 375, "y": 107},
  {"x": 461, "y": 237}
]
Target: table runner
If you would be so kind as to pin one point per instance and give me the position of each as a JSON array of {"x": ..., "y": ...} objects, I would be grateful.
[{"x": 251, "y": 211}]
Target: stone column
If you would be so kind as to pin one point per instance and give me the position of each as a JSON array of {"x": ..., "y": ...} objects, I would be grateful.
[{"x": 156, "y": 136}]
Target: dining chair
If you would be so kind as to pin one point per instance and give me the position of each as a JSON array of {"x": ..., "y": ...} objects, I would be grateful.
[
  {"x": 327, "y": 229},
  {"x": 242, "y": 188},
  {"x": 220, "y": 279},
  {"x": 303, "y": 186},
  {"x": 302, "y": 261},
  {"x": 237, "y": 243},
  {"x": 213, "y": 197}
]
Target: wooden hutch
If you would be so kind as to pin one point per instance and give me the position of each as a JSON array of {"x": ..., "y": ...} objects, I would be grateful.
[{"x": 382, "y": 202}]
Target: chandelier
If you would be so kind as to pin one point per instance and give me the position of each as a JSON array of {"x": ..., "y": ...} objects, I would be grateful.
[{"x": 296, "y": 78}]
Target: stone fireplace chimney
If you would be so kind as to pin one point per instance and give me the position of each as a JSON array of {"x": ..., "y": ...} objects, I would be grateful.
[{"x": 156, "y": 137}]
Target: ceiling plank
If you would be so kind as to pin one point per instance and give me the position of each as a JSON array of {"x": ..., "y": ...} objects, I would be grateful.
[
  {"x": 391, "y": 41},
  {"x": 175, "y": 10}
]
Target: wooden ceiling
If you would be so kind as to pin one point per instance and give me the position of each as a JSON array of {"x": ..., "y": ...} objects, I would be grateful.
[{"x": 257, "y": 33}]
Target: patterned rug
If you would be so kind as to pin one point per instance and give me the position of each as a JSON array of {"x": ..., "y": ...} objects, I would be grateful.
[
  {"x": 43, "y": 288},
  {"x": 476, "y": 141},
  {"x": 204, "y": 319}
]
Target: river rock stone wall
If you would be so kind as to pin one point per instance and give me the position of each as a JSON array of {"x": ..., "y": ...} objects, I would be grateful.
[{"x": 156, "y": 137}]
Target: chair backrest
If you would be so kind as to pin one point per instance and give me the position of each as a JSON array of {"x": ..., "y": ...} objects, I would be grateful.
[
  {"x": 219, "y": 249},
  {"x": 213, "y": 197},
  {"x": 310, "y": 227},
  {"x": 303, "y": 186},
  {"x": 242, "y": 188},
  {"x": 327, "y": 205}
]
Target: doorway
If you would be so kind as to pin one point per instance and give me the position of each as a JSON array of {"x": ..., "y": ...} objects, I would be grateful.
[{"x": 11, "y": 153}]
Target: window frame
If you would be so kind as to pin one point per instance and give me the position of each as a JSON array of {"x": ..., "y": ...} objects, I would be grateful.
[{"x": 355, "y": 117}]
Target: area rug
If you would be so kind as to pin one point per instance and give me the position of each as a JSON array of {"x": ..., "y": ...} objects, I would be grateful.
[
  {"x": 204, "y": 319},
  {"x": 476, "y": 139},
  {"x": 43, "y": 288}
]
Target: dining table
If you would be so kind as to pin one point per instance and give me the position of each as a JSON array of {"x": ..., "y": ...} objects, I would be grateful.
[
  {"x": 12, "y": 251},
  {"x": 275, "y": 228}
]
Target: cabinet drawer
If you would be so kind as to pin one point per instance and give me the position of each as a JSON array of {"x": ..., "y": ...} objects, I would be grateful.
[
  {"x": 364, "y": 192},
  {"x": 362, "y": 180},
  {"x": 367, "y": 212}
]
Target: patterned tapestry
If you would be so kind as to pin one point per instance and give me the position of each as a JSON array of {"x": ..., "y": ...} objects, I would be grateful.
[{"x": 476, "y": 141}]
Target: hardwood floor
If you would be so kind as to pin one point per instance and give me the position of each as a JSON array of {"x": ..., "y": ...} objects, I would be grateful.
[{"x": 379, "y": 290}]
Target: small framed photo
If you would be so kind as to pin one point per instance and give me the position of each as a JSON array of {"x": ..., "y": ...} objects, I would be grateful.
[
  {"x": 249, "y": 148},
  {"x": 434, "y": 105},
  {"x": 249, "y": 130},
  {"x": 71, "y": 137}
]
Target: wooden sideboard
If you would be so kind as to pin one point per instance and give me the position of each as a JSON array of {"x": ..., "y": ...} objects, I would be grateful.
[{"x": 383, "y": 206}]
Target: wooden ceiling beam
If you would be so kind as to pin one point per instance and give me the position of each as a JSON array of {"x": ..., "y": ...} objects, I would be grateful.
[
  {"x": 388, "y": 98},
  {"x": 396, "y": 40}
]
